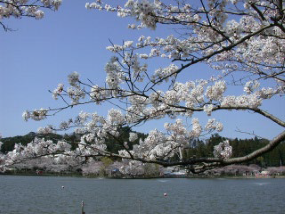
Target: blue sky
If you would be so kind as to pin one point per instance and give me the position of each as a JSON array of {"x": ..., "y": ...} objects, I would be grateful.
[{"x": 39, "y": 54}]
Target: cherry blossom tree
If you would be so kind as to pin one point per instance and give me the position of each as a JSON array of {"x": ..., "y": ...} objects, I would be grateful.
[
  {"x": 25, "y": 8},
  {"x": 242, "y": 39}
]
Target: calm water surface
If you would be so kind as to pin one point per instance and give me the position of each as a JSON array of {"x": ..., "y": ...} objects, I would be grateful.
[{"x": 39, "y": 195}]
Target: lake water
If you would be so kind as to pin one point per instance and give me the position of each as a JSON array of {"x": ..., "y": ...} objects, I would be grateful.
[{"x": 39, "y": 195}]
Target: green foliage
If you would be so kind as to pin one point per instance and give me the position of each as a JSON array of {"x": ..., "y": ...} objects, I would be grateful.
[
  {"x": 106, "y": 161},
  {"x": 241, "y": 147}
]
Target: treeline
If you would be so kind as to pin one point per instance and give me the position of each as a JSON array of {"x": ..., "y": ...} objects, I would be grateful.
[
  {"x": 241, "y": 147},
  {"x": 197, "y": 148}
]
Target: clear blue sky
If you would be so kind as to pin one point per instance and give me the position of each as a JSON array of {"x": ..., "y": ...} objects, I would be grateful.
[{"x": 39, "y": 54}]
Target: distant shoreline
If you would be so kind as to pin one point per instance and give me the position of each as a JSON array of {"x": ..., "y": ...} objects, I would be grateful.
[{"x": 138, "y": 177}]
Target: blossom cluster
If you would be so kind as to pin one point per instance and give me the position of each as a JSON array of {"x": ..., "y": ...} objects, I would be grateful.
[
  {"x": 133, "y": 137},
  {"x": 236, "y": 35},
  {"x": 216, "y": 91},
  {"x": 19, "y": 8},
  {"x": 134, "y": 168},
  {"x": 75, "y": 92},
  {"x": 223, "y": 150},
  {"x": 57, "y": 91},
  {"x": 212, "y": 124},
  {"x": 37, "y": 115},
  {"x": 38, "y": 147},
  {"x": 115, "y": 76},
  {"x": 46, "y": 130},
  {"x": 154, "y": 146},
  {"x": 213, "y": 35}
]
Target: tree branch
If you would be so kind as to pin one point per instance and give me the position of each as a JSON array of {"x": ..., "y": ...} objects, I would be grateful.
[{"x": 270, "y": 146}]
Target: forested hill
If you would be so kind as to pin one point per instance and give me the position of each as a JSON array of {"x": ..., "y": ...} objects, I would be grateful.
[{"x": 197, "y": 147}]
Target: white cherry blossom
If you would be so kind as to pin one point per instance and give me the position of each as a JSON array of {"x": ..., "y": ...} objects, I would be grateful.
[{"x": 243, "y": 41}]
